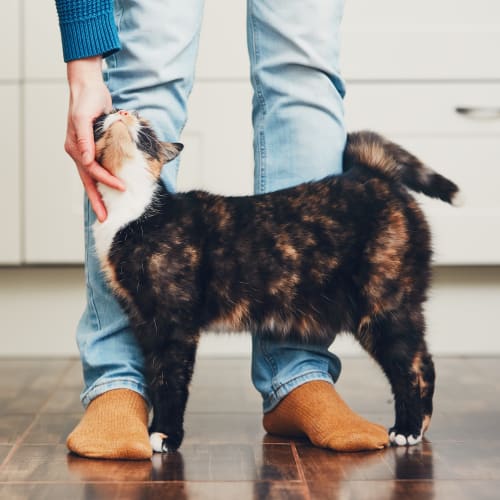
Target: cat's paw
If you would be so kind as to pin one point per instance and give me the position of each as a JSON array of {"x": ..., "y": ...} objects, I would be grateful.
[
  {"x": 401, "y": 438},
  {"x": 163, "y": 443},
  {"x": 157, "y": 440}
]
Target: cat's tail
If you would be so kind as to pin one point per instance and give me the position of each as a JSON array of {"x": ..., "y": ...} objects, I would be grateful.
[{"x": 378, "y": 154}]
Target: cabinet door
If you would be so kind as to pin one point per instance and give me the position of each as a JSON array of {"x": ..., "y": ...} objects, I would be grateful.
[
  {"x": 463, "y": 147},
  {"x": 218, "y": 152},
  {"x": 424, "y": 40},
  {"x": 10, "y": 41},
  {"x": 10, "y": 175},
  {"x": 223, "y": 45},
  {"x": 53, "y": 192},
  {"x": 43, "y": 56}
]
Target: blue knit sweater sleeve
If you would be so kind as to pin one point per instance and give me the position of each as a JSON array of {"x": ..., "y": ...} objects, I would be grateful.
[{"x": 87, "y": 28}]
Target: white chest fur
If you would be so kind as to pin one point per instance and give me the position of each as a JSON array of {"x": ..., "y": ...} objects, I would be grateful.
[{"x": 124, "y": 207}]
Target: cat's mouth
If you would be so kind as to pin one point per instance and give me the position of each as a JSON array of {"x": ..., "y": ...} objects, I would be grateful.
[{"x": 123, "y": 117}]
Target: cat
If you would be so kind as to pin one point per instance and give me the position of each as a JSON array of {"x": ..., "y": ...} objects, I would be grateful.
[{"x": 349, "y": 253}]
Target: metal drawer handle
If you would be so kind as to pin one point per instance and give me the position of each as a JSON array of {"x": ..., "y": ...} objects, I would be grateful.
[{"x": 479, "y": 113}]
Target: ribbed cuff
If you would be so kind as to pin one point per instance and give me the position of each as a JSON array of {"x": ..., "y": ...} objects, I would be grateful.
[{"x": 91, "y": 37}]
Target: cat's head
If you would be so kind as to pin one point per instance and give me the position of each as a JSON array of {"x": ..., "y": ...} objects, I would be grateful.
[{"x": 123, "y": 135}]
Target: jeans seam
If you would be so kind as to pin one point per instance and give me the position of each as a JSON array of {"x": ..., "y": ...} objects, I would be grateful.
[
  {"x": 270, "y": 360},
  {"x": 259, "y": 132},
  {"x": 89, "y": 248}
]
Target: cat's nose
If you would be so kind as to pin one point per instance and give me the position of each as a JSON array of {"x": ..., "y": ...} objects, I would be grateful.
[{"x": 123, "y": 112}]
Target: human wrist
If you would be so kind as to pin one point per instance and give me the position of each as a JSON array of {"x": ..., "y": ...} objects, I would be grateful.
[{"x": 84, "y": 72}]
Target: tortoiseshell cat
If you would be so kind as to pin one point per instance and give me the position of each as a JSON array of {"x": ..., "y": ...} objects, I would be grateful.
[{"x": 346, "y": 253}]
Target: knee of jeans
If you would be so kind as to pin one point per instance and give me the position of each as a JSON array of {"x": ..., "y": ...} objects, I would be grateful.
[{"x": 282, "y": 43}]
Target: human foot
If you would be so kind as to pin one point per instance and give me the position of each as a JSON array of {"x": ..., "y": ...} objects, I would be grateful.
[
  {"x": 315, "y": 410},
  {"x": 113, "y": 426}
]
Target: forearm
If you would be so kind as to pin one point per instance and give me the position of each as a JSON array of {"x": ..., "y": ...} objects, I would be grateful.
[{"x": 87, "y": 28}]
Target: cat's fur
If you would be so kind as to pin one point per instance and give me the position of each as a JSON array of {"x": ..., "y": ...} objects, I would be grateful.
[{"x": 347, "y": 253}]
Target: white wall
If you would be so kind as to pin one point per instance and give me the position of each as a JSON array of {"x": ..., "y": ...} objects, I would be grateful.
[{"x": 39, "y": 309}]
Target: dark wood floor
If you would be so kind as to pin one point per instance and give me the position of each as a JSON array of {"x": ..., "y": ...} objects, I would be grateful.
[{"x": 226, "y": 453}]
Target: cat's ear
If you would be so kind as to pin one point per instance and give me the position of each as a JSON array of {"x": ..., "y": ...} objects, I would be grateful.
[{"x": 171, "y": 150}]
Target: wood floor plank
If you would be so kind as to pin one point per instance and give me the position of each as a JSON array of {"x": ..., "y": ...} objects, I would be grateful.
[
  {"x": 227, "y": 454},
  {"x": 325, "y": 465},
  {"x": 244, "y": 399},
  {"x": 25, "y": 385},
  {"x": 36, "y": 463},
  {"x": 227, "y": 462},
  {"x": 227, "y": 428},
  {"x": 461, "y": 426},
  {"x": 13, "y": 426},
  {"x": 53, "y": 463},
  {"x": 405, "y": 490},
  {"x": 213, "y": 491},
  {"x": 73, "y": 377},
  {"x": 4, "y": 451},
  {"x": 64, "y": 400},
  {"x": 59, "y": 491},
  {"x": 51, "y": 429}
]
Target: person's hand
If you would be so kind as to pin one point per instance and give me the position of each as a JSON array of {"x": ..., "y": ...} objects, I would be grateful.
[{"x": 89, "y": 98}]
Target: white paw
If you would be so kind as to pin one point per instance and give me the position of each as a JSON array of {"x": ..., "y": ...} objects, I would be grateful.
[
  {"x": 459, "y": 200},
  {"x": 402, "y": 440},
  {"x": 156, "y": 440},
  {"x": 411, "y": 440}
]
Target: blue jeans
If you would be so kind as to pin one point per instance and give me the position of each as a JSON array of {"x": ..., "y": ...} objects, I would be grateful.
[{"x": 299, "y": 135}]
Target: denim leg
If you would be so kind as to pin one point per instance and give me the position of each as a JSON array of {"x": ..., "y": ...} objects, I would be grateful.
[
  {"x": 153, "y": 73},
  {"x": 299, "y": 135}
]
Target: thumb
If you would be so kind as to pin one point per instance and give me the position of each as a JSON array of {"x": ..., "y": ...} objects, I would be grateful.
[{"x": 85, "y": 140}]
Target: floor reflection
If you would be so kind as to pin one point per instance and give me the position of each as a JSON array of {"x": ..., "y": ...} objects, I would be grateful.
[
  {"x": 131, "y": 479},
  {"x": 94, "y": 470},
  {"x": 414, "y": 462},
  {"x": 271, "y": 470}
]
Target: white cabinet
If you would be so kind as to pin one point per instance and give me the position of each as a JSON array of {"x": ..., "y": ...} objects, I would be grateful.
[
  {"x": 424, "y": 40},
  {"x": 423, "y": 117},
  {"x": 53, "y": 195},
  {"x": 218, "y": 153},
  {"x": 10, "y": 35},
  {"x": 223, "y": 54},
  {"x": 42, "y": 42},
  {"x": 408, "y": 66},
  {"x": 10, "y": 167},
  {"x": 10, "y": 176}
]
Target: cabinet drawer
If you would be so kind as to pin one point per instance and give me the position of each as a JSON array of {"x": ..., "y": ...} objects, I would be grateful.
[
  {"x": 424, "y": 108},
  {"x": 422, "y": 118},
  {"x": 403, "y": 39}
]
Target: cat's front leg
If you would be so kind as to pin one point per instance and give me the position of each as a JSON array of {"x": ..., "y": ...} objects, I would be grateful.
[{"x": 170, "y": 370}]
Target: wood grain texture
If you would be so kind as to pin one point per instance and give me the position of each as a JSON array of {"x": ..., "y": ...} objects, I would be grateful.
[{"x": 227, "y": 455}]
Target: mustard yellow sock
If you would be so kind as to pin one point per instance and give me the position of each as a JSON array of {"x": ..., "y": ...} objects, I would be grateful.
[
  {"x": 315, "y": 410},
  {"x": 115, "y": 425}
]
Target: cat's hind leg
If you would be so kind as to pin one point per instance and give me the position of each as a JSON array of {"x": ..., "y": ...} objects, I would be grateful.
[{"x": 396, "y": 341}]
